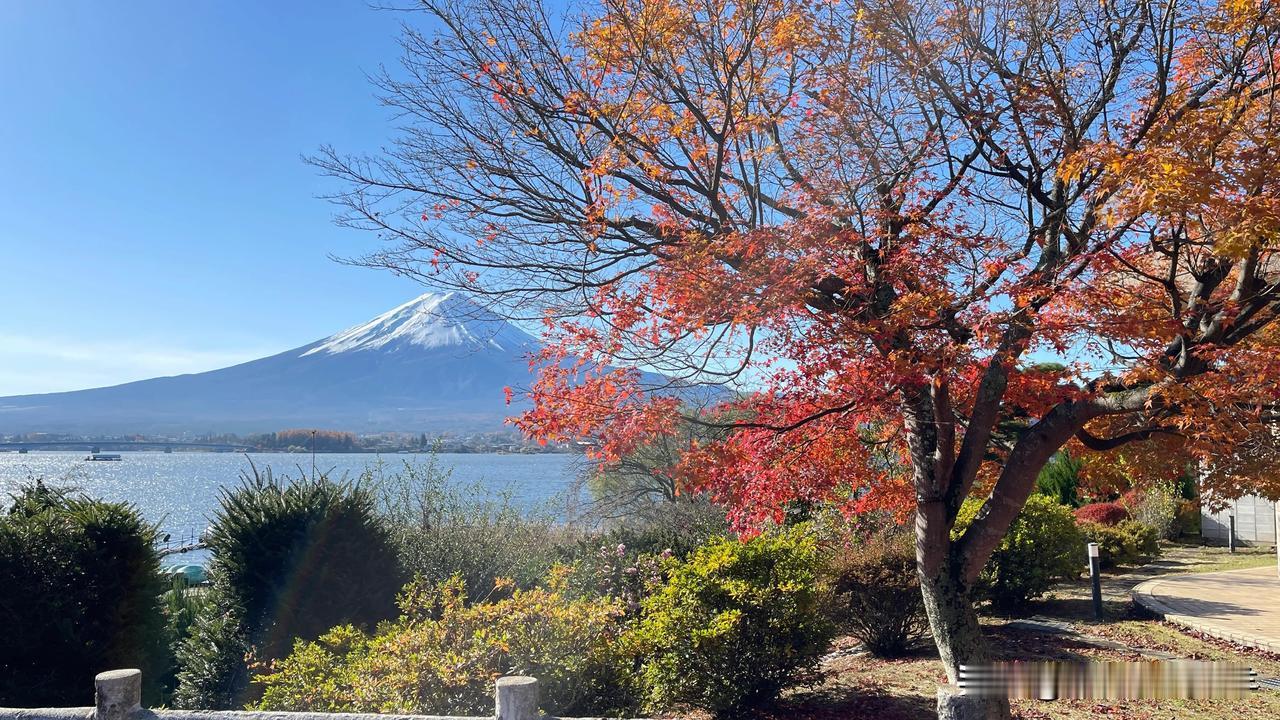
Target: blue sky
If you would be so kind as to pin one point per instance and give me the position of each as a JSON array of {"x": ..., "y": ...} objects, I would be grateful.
[{"x": 155, "y": 215}]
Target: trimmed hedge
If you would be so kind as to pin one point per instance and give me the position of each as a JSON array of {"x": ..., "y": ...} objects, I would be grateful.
[{"x": 80, "y": 594}]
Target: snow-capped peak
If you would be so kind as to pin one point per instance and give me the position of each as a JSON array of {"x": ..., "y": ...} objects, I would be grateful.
[{"x": 432, "y": 320}]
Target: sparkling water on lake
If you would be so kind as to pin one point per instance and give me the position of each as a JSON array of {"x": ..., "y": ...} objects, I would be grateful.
[{"x": 180, "y": 490}]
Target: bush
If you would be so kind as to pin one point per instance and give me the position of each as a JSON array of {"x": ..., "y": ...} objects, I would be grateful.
[
  {"x": 1060, "y": 479},
  {"x": 618, "y": 573},
  {"x": 1103, "y": 513},
  {"x": 876, "y": 592},
  {"x": 1156, "y": 507},
  {"x": 1188, "y": 517},
  {"x": 1041, "y": 547},
  {"x": 680, "y": 527},
  {"x": 444, "y": 654},
  {"x": 1129, "y": 543},
  {"x": 442, "y": 530},
  {"x": 80, "y": 593},
  {"x": 628, "y": 562},
  {"x": 735, "y": 624},
  {"x": 181, "y": 604},
  {"x": 288, "y": 560}
]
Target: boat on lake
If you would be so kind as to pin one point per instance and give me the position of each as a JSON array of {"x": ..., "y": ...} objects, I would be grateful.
[{"x": 103, "y": 457}]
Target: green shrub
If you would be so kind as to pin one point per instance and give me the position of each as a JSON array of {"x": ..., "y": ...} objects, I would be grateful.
[
  {"x": 1060, "y": 479},
  {"x": 1129, "y": 543},
  {"x": 289, "y": 560},
  {"x": 444, "y": 654},
  {"x": 735, "y": 624},
  {"x": 181, "y": 605},
  {"x": 80, "y": 589},
  {"x": 876, "y": 592},
  {"x": 628, "y": 561},
  {"x": 681, "y": 527},
  {"x": 1041, "y": 547}
]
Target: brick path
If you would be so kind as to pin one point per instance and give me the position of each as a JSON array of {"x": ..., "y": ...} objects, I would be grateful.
[{"x": 1242, "y": 606}]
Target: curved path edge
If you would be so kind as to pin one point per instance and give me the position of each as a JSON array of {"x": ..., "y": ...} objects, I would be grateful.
[{"x": 1146, "y": 595}]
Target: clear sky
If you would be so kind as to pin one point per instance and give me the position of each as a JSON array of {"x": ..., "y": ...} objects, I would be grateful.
[{"x": 155, "y": 214}]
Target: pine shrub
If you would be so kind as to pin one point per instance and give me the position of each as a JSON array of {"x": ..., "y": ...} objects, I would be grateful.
[
  {"x": 1060, "y": 479},
  {"x": 289, "y": 560}
]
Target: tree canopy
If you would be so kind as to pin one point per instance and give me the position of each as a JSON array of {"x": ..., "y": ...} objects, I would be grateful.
[{"x": 884, "y": 216}]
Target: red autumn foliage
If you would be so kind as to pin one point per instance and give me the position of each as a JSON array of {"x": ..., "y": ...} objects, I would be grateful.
[
  {"x": 1103, "y": 513},
  {"x": 878, "y": 219}
]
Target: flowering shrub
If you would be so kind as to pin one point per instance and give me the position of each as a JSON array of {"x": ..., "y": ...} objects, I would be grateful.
[
  {"x": 736, "y": 623},
  {"x": 443, "y": 656},
  {"x": 1103, "y": 513},
  {"x": 617, "y": 572}
]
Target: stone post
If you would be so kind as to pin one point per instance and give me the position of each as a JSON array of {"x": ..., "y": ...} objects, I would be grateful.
[
  {"x": 954, "y": 704},
  {"x": 118, "y": 694},
  {"x": 516, "y": 697}
]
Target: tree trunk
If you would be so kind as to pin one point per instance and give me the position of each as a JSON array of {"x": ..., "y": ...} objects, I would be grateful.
[{"x": 954, "y": 623}]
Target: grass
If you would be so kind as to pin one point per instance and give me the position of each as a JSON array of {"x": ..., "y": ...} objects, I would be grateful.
[
  {"x": 861, "y": 686},
  {"x": 1217, "y": 559}
]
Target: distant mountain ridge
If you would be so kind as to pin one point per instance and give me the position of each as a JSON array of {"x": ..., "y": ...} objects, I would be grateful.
[{"x": 438, "y": 362}]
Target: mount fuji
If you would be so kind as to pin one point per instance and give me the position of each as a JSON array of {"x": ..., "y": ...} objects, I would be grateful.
[{"x": 438, "y": 362}]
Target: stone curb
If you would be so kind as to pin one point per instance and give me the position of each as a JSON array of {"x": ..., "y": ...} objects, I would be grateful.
[{"x": 1144, "y": 595}]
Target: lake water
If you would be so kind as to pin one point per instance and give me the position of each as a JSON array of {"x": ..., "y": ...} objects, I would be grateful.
[{"x": 180, "y": 490}]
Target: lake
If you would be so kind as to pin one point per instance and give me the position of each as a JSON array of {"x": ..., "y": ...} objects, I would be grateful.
[{"x": 180, "y": 490}]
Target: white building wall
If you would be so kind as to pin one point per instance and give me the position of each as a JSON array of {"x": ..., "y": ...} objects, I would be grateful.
[{"x": 1255, "y": 522}]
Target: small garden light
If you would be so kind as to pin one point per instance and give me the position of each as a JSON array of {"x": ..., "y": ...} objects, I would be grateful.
[{"x": 1095, "y": 563}]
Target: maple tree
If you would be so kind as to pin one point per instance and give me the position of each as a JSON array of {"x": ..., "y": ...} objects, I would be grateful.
[{"x": 881, "y": 218}]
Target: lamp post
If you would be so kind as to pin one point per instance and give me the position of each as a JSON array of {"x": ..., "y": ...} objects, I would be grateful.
[{"x": 1095, "y": 563}]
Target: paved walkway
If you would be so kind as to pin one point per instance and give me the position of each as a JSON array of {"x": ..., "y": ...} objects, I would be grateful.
[{"x": 1242, "y": 606}]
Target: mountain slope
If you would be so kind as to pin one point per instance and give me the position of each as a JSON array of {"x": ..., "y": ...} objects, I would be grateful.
[{"x": 438, "y": 362}]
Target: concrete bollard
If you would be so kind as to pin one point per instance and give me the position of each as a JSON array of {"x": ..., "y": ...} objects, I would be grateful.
[
  {"x": 516, "y": 697},
  {"x": 118, "y": 694}
]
